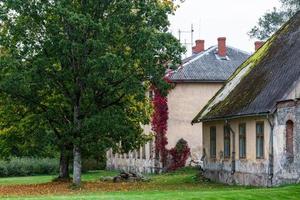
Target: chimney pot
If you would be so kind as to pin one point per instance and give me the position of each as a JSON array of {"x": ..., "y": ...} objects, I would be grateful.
[
  {"x": 199, "y": 46},
  {"x": 222, "y": 50},
  {"x": 258, "y": 44}
]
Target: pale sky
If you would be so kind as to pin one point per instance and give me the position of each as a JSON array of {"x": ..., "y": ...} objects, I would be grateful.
[{"x": 220, "y": 18}]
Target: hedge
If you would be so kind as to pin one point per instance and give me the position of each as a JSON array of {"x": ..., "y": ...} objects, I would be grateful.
[{"x": 28, "y": 166}]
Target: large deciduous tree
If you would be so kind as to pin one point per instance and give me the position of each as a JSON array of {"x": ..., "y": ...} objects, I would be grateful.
[
  {"x": 271, "y": 21},
  {"x": 82, "y": 68}
]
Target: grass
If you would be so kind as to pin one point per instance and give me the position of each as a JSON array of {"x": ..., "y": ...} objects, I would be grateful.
[
  {"x": 90, "y": 176},
  {"x": 183, "y": 184}
]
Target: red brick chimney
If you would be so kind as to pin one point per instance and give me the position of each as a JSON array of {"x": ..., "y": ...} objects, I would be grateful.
[
  {"x": 199, "y": 46},
  {"x": 222, "y": 50},
  {"x": 258, "y": 44}
]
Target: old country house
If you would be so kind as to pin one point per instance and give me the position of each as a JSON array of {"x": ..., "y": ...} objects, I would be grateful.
[
  {"x": 195, "y": 82},
  {"x": 251, "y": 127}
]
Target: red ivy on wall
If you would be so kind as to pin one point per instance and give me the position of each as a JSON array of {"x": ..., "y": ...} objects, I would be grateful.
[
  {"x": 176, "y": 157},
  {"x": 159, "y": 124}
]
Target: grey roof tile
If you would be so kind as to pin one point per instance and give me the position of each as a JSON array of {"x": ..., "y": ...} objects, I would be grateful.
[{"x": 208, "y": 66}]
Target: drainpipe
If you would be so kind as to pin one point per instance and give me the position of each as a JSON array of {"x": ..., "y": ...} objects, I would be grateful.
[
  {"x": 233, "y": 148},
  {"x": 271, "y": 150}
]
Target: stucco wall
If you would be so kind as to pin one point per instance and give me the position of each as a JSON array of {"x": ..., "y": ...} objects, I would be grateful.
[
  {"x": 250, "y": 136},
  {"x": 249, "y": 170},
  {"x": 252, "y": 171},
  {"x": 185, "y": 101},
  {"x": 285, "y": 169}
]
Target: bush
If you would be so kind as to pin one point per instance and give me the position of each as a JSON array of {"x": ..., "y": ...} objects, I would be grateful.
[
  {"x": 29, "y": 166},
  {"x": 178, "y": 155},
  {"x": 90, "y": 164}
]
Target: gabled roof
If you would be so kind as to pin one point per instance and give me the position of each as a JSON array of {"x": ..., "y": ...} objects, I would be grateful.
[
  {"x": 207, "y": 66},
  {"x": 263, "y": 80}
]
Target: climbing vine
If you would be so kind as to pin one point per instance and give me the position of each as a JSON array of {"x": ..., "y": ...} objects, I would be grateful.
[
  {"x": 159, "y": 124},
  {"x": 176, "y": 157}
]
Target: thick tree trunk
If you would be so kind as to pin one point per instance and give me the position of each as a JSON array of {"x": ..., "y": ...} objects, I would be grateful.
[
  {"x": 76, "y": 148},
  {"x": 64, "y": 164},
  {"x": 77, "y": 165}
]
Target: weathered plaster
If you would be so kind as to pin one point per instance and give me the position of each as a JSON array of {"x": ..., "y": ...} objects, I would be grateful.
[
  {"x": 252, "y": 171},
  {"x": 184, "y": 101}
]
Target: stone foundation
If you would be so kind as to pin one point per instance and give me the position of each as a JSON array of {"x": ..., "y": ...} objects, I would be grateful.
[
  {"x": 247, "y": 172},
  {"x": 237, "y": 178},
  {"x": 133, "y": 165}
]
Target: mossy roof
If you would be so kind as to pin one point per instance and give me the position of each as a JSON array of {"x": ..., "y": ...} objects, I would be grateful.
[{"x": 262, "y": 80}]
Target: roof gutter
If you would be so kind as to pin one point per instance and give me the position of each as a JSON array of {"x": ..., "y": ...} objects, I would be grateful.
[
  {"x": 270, "y": 118},
  {"x": 229, "y": 117},
  {"x": 233, "y": 165},
  {"x": 196, "y": 81}
]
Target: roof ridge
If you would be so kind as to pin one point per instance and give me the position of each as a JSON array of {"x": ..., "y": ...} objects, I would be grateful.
[
  {"x": 200, "y": 55},
  {"x": 242, "y": 51}
]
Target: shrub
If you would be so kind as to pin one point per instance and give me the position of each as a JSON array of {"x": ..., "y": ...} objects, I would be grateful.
[
  {"x": 93, "y": 164},
  {"x": 178, "y": 155},
  {"x": 28, "y": 167}
]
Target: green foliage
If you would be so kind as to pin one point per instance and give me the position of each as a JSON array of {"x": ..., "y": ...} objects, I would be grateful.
[
  {"x": 271, "y": 21},
  {"x": 82, "y": 68},
  {"x": 93, "y": 164},
  {"x": 26, "y": 138},
  {"x": 28, "y": 166}
]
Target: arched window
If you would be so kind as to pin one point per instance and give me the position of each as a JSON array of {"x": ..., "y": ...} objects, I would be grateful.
[{"x": 290, "y": 138}]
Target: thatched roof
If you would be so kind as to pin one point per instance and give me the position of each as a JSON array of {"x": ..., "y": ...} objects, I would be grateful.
[{"x": 261, "y": 81}]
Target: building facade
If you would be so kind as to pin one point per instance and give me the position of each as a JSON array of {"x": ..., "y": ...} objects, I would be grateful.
[
  {"x": 194, "y": 83},
  {"x": 251, "y": 127}
]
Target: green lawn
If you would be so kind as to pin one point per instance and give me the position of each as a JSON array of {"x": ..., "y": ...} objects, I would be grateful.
[
  {"x": 179, "y": 185},
  {"x": 90, "y": 176}
]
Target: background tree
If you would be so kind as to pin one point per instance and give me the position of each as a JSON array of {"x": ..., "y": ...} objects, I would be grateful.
[
  {"x": 273, "y": 20},
  {"x": 82, "y": 67}
]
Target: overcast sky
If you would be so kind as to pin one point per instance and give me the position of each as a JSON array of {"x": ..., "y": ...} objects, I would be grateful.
[{"x": 215, "y": 18}]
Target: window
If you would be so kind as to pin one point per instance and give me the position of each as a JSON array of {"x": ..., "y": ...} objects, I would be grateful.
[
  {"x": 242, "y": 140},
  {"x": 144, "y": 151},
  {"x": 290, "y": 139},
  {"x": 213, "y": 142},
  {"x": 139, "y": 153},
  {"x": 226, "y": 142},
  {"x": 151, "y": 149},
  {"x": 259, "y": 140}
]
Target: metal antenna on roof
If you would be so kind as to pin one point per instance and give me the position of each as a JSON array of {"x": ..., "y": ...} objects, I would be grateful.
[{"x": 191, "y": 32}]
